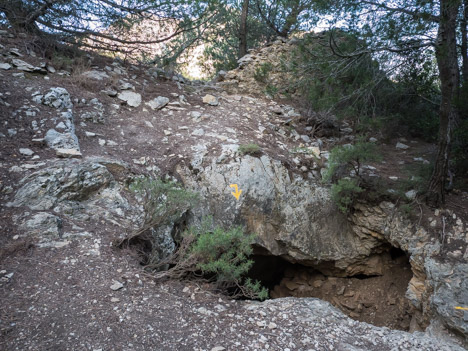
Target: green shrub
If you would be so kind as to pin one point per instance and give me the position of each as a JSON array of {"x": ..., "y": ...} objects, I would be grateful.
[
  {"x": 221, "y": 256},
  {"x": 344, "y": 193},
  {"x": 249, "y": 149},
  {"x": 262, "y": 71},
  {"x": 345, "y": 158},
  {"x": 271, "y": 90}
]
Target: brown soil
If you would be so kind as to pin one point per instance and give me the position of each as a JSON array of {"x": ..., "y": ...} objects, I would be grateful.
[{"x": 378, "y": 300}]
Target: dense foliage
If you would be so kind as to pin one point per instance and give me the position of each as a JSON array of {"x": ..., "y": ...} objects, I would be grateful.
[{"x": 219, "y": 255}]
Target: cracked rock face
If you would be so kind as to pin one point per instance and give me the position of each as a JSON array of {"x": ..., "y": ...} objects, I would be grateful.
[{"x": 292, "y": 217}]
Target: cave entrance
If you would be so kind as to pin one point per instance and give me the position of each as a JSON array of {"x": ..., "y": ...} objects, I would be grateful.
[{"x": 379, "y": 299}]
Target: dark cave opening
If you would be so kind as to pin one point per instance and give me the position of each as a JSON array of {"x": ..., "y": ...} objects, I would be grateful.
[{"x": 375, "y": 299}]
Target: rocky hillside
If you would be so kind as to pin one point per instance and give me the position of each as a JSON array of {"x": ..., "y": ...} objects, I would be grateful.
[{"x": 72, "y": 139}]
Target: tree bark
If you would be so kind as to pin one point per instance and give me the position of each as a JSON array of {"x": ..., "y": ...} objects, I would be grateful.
[
  {"x": 447, "y": 62},
  {"x": 291, "y": 18},
  {"x": 243, "y": 29}
]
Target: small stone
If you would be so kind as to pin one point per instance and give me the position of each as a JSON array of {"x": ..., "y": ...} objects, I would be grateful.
[
  {"x": 68, "y": 153},
  {"x": 401, "y": 146},
  {"x": 12, "y": 132},
  {"x": 411, "y": 195},
  {"x": 272, "y": 325},
  {"x": 23, "y": 66},
  {"x": 167, "y": 132},
  {"x": 198, "y": 132},
  {"x": 110, "y": 92},
  {"x": 218, "y": 348},
  {"x": 61, "y": 125},
  {"x": 116, "y": 285},
  {"x": 125, "y": 85},
  {"x": 195, "y": 115},
  {"x": 102, "y": 142},
  {"x": 372, "y": 140},
  {"x": 97, "y": 75},
  {"x": 115, "y": 299},
  {"x": 15, "y": 52},
  {"x": 393, "y": 178},
  {"x": 26, "y": 152},
  {"x": 5, "y": 66},
  {"x": 158, "y": 103},
  {"x": 90, "y": 134},
  {"x": 210, "y": 100},
  {"x": 149, "y": 124},
  {"x": 131, "y": 98}
]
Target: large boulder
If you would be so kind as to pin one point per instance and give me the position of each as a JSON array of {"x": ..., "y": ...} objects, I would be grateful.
[{"x": 292, "y": 217}]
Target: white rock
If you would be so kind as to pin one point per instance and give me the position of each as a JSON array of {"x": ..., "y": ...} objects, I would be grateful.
[
  {"x": 198, "y": 132},
  {"x": 401, "y": 146},
  {"x": 26, "y": 152},
  {"x": 411, "y": 194},
  {"x": 116, "y": 285},
  {"x": 131, "y": 98},
  {"x": 5, "y": 66},
  {"x": 123, "y": 85},
  {"x": 61, "y": 125},
  {"x": 97, "y": 75},
  {"x": 158, "y": 103},
  {"x": 149, "y": 124},
  {"x": 196, "y": 115},
  {"x": 23, "y": 66}
]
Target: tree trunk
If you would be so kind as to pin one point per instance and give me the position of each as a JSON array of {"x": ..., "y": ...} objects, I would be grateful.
[
  {"x": 291, "y": 18},
  {"x": 447, "y": 62},
  {"x": 243, "y": 29}
]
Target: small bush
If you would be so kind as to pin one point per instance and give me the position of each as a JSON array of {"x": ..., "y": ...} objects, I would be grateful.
[
  {"x": 249, "y": 149},
  {"x": 350, "y": 157},
  {"x": 344, "y": 193},
  {"x": 261, "y": 72},
  {"x": 343, "y": 160},
  {"x": 271, "y": 90},
  {"x": 221, "y": 256}
]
